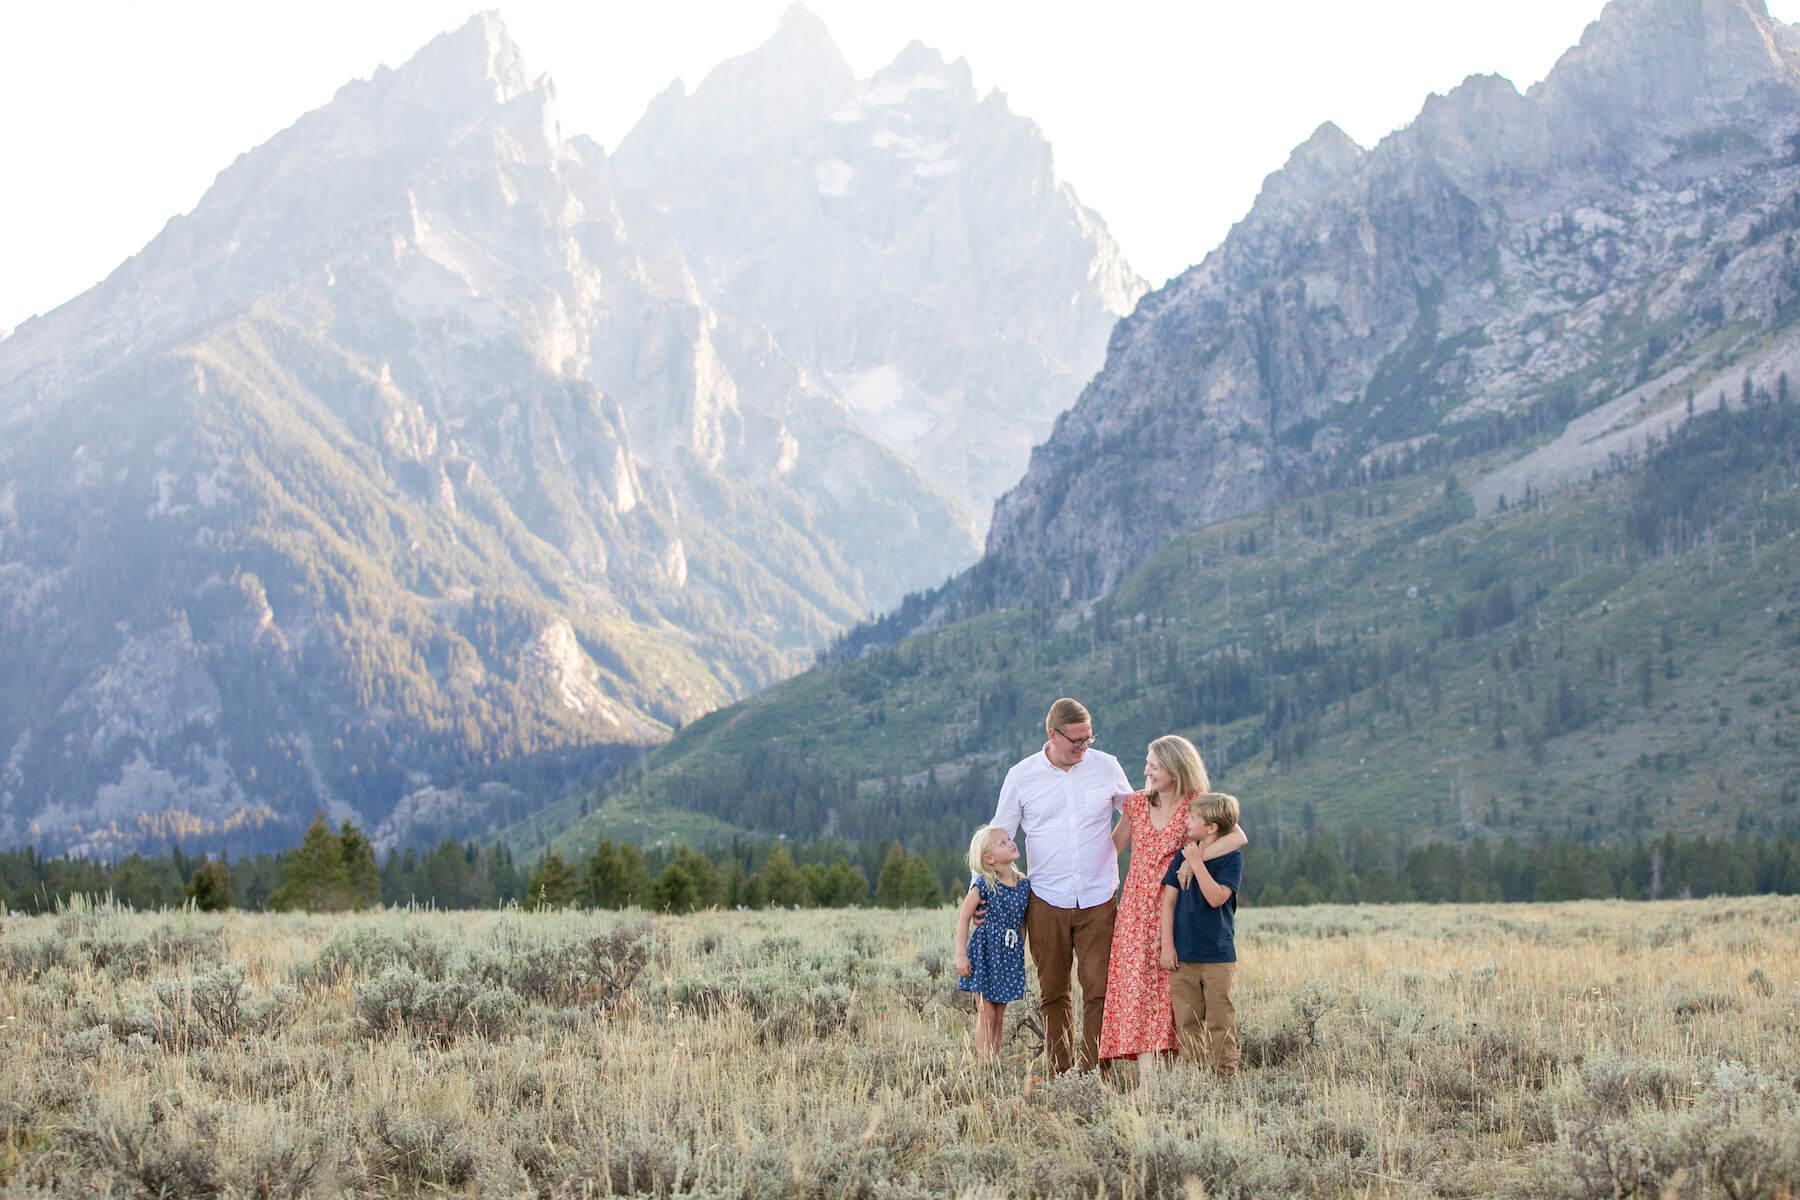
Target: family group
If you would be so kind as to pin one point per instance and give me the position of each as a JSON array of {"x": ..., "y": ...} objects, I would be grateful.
[{"x": 1156, "y": 961}]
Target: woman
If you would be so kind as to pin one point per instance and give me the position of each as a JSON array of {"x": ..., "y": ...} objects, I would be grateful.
[{"x": 1138, "y": 1018}]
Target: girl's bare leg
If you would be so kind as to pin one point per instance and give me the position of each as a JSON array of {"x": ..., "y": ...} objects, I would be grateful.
[{"x": 989, "y": 1022}]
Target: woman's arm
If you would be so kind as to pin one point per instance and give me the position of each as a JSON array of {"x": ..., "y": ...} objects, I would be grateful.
[
  {"x": 1167, "y": 958},
  {"x": 964, "y": 968},
  {"x": 1121, "y": 835},
  {"x": 1237, "y": 839}
]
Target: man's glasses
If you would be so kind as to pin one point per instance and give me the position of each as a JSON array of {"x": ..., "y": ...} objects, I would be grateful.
[{"x": 1075, "y": 743}]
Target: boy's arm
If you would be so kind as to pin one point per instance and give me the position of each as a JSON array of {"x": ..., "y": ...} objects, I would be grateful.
[
  {"x": 964, "y": 968},
  {"x": 1215, "y": 892},
  {"x": 1167, "y": 958}
]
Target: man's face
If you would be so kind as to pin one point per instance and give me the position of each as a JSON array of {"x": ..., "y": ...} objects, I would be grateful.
[{"x": 1069, "y": 744}]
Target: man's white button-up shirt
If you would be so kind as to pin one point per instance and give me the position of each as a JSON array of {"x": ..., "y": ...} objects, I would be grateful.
[{"x": 1067, "y": 819}]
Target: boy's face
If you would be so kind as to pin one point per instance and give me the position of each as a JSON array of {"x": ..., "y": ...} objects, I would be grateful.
[{"x": 1199, "y": 829}]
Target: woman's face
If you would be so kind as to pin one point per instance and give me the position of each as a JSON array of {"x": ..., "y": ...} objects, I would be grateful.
[{"x": 1155, "y": 778}]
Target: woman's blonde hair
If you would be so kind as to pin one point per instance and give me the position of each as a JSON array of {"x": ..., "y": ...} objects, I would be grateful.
[
  {"x": 1176, "y": 755},
  {"x": 978, "y": 846}
]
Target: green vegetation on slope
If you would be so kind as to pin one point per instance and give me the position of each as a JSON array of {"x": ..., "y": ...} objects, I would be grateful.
[{"x": 1618, "y": 658}]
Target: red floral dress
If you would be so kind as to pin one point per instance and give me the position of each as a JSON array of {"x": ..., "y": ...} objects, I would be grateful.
[{"x": 1138, "y": 1018}]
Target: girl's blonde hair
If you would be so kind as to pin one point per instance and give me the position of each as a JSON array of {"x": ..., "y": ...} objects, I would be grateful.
[
  {"x": 978, "y": 846},
  {"x": 1176, "y": 755}
]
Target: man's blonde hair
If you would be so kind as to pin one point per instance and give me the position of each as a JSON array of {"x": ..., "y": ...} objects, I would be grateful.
[
  {"x": 1176, "y": 755},
  {"x": 1217, "y": 808},
  {"x": 1066, "y": 712}
]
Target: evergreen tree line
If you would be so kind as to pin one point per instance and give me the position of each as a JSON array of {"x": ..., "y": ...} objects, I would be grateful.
[{"x": 334, "y": 870}]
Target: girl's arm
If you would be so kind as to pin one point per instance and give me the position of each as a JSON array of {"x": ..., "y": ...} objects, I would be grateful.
[
  {"x": 1167, "y": 959},
  {"x": 964, "y": 968}
]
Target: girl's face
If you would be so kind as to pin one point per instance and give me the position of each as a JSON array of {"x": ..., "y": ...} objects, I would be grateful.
[
  {"x": 1001, "y": 850},
  {"x": 1155, "y": 778}
]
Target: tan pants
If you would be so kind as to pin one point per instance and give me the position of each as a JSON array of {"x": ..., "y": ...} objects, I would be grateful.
[
  {"x": 1200, "y": 994},
  {"x": 1060, "y": 937}
]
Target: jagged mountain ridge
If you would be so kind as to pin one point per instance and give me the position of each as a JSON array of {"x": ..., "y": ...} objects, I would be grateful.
[
  {"x": 957, "y": 294},
  {"x": 1606, "y": 232},
  {"x": 419, "y": 445}
]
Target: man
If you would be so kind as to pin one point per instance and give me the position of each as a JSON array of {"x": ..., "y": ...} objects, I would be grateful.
[{"x": 1064, "y": 798}]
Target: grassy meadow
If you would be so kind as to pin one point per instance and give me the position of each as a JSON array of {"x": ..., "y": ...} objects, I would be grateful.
[{"x": 1583, "y": 1050}]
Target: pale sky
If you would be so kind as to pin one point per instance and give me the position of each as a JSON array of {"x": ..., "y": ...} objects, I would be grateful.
[{"x": 1165, "y": 115}]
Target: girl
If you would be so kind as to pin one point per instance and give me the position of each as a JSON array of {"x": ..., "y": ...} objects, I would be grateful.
[
  {"x": 1138, "y": 1018},
  {"x": 991, "y": 961}
]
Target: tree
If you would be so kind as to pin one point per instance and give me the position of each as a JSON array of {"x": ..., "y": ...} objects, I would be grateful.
[
  {"x": 782, "y": 882},
  {"x": 315, "y": 878},
  {"x": 674, "y": 890},
  {"x": 553, "y": 884},
  {"x": 363, "y": 876},
  {"x": 209, "y": 890},
  {"x": 906, "y": 882}
]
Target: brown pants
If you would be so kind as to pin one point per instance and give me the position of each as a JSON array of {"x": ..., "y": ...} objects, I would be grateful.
[
  {"x": 1060, "y": 937},
  {"x": 1200, "y": 994}
]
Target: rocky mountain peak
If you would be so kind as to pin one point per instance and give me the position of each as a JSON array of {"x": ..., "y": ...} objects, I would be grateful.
[
  {"x": 479, "y": 59},
  {"x": 745, "y": 103},
  {"x": 1662, "y": 60}
]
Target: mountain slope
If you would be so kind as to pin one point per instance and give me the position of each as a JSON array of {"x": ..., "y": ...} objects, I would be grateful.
[
  {"x": 1626, "y": 223},
  {"x": 1615, "y": 659},
  {"x": 409, "y": 456}
]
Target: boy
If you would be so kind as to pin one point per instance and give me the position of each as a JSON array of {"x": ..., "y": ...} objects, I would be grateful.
[{"x": 1198, "y": 949}]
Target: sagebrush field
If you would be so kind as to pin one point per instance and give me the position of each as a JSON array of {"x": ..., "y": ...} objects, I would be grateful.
[{"x": 1583, "y": 1050}]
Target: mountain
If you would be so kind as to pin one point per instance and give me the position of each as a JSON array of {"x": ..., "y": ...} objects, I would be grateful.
[
  {"x": 423, "y": 467},
  {"x": 1623, "y": 228},
  {"x": 1399, "y": 502},
  {"x": 1378, "y": 664},
  {"x": 906, "y": 240}
]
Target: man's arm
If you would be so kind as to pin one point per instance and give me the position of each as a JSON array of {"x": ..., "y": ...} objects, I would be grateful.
[
  {"x": 1167, "y": 958},
  {"x": 1008, "y": 812}
]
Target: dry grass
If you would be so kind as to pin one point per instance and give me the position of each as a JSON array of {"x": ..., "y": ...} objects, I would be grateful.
[{"x": 1597, "y": 1049}]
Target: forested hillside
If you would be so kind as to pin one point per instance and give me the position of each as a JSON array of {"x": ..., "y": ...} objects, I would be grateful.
[{"x": 1619, "y": 658}]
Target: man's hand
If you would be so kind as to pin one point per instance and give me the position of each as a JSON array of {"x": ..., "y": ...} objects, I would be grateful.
[
  {"x": 1167, "y": 959},
  {"x": 964, "y": 968},
  {"x": 979, "y": 915}
]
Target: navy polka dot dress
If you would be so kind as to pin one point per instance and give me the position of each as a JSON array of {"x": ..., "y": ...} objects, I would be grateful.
[{"x": 997, "y": 946}]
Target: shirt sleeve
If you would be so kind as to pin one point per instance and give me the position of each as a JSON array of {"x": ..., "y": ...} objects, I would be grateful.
[
  {"x": 1120, "y": 784},
  {"x": 1008, "y": 814}
]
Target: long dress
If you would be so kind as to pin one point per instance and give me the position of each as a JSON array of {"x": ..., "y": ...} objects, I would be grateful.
[{"x": 1138, "y": 1017}]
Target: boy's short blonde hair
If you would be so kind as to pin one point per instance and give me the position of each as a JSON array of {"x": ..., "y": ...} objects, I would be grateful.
[{"x": 1217, "y": 808}]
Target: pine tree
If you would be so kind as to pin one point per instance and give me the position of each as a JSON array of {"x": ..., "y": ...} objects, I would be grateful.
[
  {"x": 210, "y": 888},
  {"x": 674, "y": 890},
  {"x": 360, "y": 872},
  {"x": 553, "y": 884},
  {"x": 314, "y": 878},
  {"x": 783, "y": 884}
]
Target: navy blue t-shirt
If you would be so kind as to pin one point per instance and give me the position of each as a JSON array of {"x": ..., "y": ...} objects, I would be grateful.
[{"x": 1204, "y": 934}]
